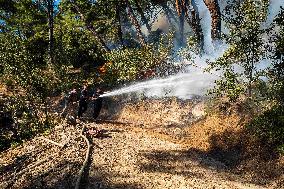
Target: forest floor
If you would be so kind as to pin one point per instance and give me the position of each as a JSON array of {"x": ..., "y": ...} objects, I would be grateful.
[{"x": 147, "y": 144}]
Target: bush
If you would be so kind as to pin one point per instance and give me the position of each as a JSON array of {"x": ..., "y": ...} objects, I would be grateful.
[
  {"x": 22, "y": 118},
  {"x": 132, "y": 64},
  {"x": 269, "y": 126}
]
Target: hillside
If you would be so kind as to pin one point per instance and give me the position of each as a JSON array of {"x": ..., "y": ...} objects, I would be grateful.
[
  {"x": 147, "y": 144},
  {"x": 192, "y": 94}
]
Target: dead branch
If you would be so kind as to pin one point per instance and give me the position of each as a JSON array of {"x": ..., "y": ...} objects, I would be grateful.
[
  {"x": 86, "y": 159},
  {"x": 14, "y": 176},
  {"x": 55, "y": 143}
]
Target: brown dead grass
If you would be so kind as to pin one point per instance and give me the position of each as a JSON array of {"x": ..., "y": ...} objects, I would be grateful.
[
  {"x": 219, "y": 136},
  {"x": 156, "y": 112},
  {"x": 199, "y": 134},
  {"x": 158, "y": 117},
  {"x": 6, "y": 91}
]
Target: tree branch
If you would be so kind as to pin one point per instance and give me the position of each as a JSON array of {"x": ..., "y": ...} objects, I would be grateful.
[{"x": 55, "y": 143}]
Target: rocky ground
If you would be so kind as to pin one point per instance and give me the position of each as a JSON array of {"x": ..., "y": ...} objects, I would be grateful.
[{"x": 142, "y": 145}]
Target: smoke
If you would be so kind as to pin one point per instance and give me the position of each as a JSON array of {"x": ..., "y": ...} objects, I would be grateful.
[
  {"x": 273, "y": 10},
  {"x": 161, "y": 23},
  {"x": 205, "y": 23},
  {"x": 193, "y": 80}
]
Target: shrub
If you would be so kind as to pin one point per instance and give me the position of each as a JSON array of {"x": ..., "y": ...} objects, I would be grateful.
[
  {"x": 270, "y": 126},
  {"x": 132, "y": 64},
  {"x": 22, "y": 117}
]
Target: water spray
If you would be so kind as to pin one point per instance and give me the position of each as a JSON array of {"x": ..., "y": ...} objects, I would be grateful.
[
  {"x": 196, "y": 80},
  {"x": 184, "y": 85}
]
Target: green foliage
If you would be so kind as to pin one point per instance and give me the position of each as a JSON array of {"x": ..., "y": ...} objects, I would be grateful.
[
  {"x": 74, "y": 45},
  {"x": 246, "y": 49},
  {"x": 228, "y": 86},
  {"x": 269, "y": 126},
  {"x": 276, "y": 83},
  {"x": 19, "y": 67},
  {"x": 128, "y": 64},
  {"x": 276, "y": 73},
  {"x": 26, "y": 120},
  {"x": 132, "y": 64}
]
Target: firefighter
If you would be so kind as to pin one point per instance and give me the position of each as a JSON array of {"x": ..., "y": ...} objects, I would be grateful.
[
  {"x": 97, "y": 102},
  {"x": 70, "y": 103},
  {"x": 83, "y": 101}
]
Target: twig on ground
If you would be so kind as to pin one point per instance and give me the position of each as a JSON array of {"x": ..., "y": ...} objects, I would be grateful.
[
  {"x": 55, "y": 143},
  {"x": 13, "y": 177}
]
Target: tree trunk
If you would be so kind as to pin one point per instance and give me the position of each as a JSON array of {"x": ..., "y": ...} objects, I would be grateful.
[
  {"x": 135, "y": 23},
  {"x": 143, "y": 17},
  {"x": 168, "y": 16},
  {"x": 118, "y": 19},
  {"x": 181, "y": 28},
  {"x": 251, "y": 68},
  {"x": 91, "y": 28},
  {"x": 96, "y": 35},
  {"x": 249, "y": 71},
  {"x": 181, "y": 9},
  {"x": 214, "y": 10},
  {"x": 50, "y": 10},
  {"x": 169, "y": 13},
  {"x": 250, "y": 80},
  {"x": 195, "y": 23}
]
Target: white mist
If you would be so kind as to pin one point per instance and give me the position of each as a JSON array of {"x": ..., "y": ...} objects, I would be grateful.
[{"x": 193, "y": 80}]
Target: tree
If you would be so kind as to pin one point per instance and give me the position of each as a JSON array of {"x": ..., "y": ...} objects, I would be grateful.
[
  {"x": 191, "y": 13},
  {"x": 27, "y": 21},
  {"x": 246, "y": 49},
  {"x": 268, "y": 126},
  {"x": 135, "y": 22},
  {"x": 215, "y": 12},
  {"x": 181, "y": 7},
  {"x": 276, "y": 73},
  {"x": 85, "y": 10},
  {"x": 50, "y": 15},
  {"x": 118, "y": 19},
  {"x": 48, "y": 6},
  {"x": 143, "y": 17}
]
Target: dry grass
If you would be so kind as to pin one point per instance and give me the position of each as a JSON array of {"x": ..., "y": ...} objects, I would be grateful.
[{"x": 151, "y": 144}]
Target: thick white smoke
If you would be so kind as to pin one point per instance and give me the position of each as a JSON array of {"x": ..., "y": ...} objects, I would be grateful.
[
  {"x": 205, "y": 25},
  {"x": 193, "y": 80}
]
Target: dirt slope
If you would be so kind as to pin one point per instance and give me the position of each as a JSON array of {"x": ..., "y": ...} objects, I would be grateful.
[{"x": 151, "y": 144}]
